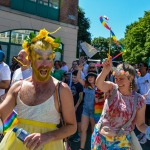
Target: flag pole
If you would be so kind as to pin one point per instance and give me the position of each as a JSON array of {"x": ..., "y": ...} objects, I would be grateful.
[{"x": 109, "y": 45}]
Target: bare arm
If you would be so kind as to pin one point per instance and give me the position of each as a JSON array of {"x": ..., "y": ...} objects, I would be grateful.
[
  {"x": 103, "y": 85},
  {"x": 140, "y": 119},
  {"x": 4, "y": 84},
  {"x": 79, "y": 100},
  {"x": 79, "y": 75},
  {"x": 6, "y": 107}
]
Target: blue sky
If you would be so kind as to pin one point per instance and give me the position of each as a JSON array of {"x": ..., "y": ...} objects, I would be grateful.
[{"x": 120, "y": 13}]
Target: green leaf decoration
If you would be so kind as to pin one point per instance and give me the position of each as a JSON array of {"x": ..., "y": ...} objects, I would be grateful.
[
  {"x": 32, "y": 35},
  {"x": 26, "y": 37},
  {"x": 57, "y": 40},
  {"x": 59, "y": 50}
]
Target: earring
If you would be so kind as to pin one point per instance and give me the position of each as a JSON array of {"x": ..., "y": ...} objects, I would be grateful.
[{"x": 131, "y": 86}]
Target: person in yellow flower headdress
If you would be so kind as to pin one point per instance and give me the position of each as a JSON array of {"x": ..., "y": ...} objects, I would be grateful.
[{"x": 37, "y": 102}]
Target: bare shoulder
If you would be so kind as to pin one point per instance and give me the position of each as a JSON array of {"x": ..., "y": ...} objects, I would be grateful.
[
  {"x": 15, "y": 87},
  {"x": 65, "y": 88},
  {"x": 63, "y": 85}
]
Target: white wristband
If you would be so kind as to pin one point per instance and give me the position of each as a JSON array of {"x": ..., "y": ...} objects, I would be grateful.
[{"x": 1, "y": 127}]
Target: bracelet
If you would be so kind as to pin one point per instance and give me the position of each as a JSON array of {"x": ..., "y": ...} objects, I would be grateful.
[
  {"x": 148, "y": 133},
  {"x": 1, "y": 126}
]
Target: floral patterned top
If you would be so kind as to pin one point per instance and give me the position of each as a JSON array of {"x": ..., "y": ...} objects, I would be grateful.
[{"x": 120, "y": 110}]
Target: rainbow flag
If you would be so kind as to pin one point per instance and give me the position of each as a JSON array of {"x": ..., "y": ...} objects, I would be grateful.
[
  {"x": 98, "y": 107},
  {"x": 10, "y": 121}
]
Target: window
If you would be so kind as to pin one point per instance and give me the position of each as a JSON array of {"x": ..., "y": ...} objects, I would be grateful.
[
  {"x": 4, "y": 37},
  {"x": 43, "y": 2},
  {"x": 17, "y": 36},
  {"x": 54, "y": 4},
  {"x": 33, "y": 0}
]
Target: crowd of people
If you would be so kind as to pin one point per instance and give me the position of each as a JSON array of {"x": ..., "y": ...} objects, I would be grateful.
[{"x": 110, "y": 100}]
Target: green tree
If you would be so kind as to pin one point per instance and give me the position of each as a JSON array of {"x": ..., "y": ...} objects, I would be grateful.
[
  {"x": 137, "y": 40},
  {"x": 102, "y": 45},
  {"x": 84, "y": 26}
]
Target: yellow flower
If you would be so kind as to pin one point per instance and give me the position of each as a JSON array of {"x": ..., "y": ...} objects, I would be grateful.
[
  {"x": 123, "y": 141},
  {"x": 49, "y": 40},
  {"x": 121, "y": 138},
  {"x": 55, "y": 45},
  {"x": 124, "y": 144},
  {"x": 39, "y": 37},
  {"x": 110, "y": 138},
  {"x": 52, "y": 56},
  {"x": 25, "y": 44},
  {"x": 34, "y": 39},
  {"x": 43, "y": 33}
]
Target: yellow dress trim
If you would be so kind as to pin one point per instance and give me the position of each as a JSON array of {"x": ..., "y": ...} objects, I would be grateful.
[
  {"x": 36, "y": 123},
  {"x": 11, "y": 142}
]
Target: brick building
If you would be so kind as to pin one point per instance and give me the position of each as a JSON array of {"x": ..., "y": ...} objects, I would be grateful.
[{"x": 20, "y": 17}]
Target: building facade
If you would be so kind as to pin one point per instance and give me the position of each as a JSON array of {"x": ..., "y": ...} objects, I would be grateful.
[{"x": 20, "y": 17}]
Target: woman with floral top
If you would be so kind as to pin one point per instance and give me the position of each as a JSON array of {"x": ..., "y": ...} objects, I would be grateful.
[{"x": 121, "y": 97}]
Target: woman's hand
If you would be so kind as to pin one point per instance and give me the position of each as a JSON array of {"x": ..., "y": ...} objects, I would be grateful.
[
  {"x": 35, "y": 141},
  {"x": 107, "y": 65},
  {"x": 80, "y": 67},
  {"x": 107, "y": 131}
]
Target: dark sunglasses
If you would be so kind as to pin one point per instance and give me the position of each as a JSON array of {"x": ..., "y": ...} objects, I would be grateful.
[{"x": 92, "y": 67}]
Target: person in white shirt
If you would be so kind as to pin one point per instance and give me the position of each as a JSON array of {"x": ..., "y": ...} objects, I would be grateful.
[
  {"x": 25, "y": 69},
  {"x": 5, "y": 74},
  {"x": 74, "y": 67},
  {"x": 64, "y": 66},
  {"x": 143, "y": 83},
  {"x": 83, "y": 61}
]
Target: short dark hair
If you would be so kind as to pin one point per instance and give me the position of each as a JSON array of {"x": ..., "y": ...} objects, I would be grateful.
[
  {"x": 144, "y": 64},
  {"x": 59, "y": 63},
  {"x": 75, "y": 72}
]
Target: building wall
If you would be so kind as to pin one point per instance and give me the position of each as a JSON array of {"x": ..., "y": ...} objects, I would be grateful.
[
  {"x": 69, "y": 11},
  {"x": 12, "y": 19}
]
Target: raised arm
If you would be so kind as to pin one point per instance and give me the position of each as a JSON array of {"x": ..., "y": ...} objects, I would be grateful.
[
  {"x": 103, "y": 85},
  {"x": 79, "y": 75}
]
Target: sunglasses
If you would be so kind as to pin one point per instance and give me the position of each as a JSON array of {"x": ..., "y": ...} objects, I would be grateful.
[{"x": 92, "y": 67}]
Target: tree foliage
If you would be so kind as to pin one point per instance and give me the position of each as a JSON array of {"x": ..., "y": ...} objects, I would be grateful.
[
  {"x": 102, "y": 45},
  {"x": 137, "y": 40},
  {"x": 84, "y": 26}
]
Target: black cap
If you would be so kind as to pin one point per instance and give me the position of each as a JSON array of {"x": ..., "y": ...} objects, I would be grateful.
[{"x": 92, "y": 73}]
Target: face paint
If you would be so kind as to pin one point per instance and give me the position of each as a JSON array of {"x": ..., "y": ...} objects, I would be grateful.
[{"x": 42, "y": 63}]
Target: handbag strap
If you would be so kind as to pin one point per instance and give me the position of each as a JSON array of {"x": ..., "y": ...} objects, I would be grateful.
[
  {"x": 60, "y": 104},
  {"x": 132, "y": 117}
]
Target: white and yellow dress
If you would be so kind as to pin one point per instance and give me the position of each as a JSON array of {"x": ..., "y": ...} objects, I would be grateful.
[{"x": 34, "y": 119}]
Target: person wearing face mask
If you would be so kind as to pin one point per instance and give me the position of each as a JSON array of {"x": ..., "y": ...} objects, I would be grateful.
[
  {"x": 123, "y": 109},
  {"x": 36, "y": 99}
]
